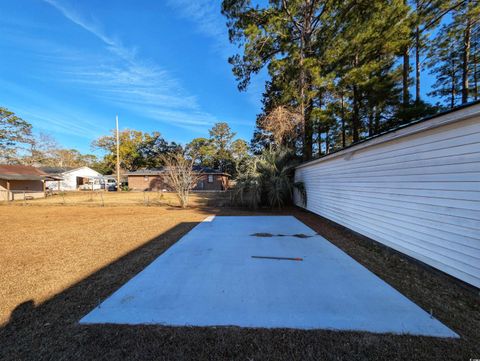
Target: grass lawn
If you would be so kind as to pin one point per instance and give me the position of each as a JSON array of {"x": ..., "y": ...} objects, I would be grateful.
[
  {"x": 59, "y": 261},
  {"x": 102, "y": 198}
]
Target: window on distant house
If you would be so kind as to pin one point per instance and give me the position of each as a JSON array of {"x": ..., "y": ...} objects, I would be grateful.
[{"x": 210, "y": 178}]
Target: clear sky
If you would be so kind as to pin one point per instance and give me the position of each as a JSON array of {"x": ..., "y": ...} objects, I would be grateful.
[{"x": 69, "y": 66}]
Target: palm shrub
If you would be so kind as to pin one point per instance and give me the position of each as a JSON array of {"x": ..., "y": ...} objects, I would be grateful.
[
  {"x": 248, "y": 187},
  {"x": 268, "y": 180}
]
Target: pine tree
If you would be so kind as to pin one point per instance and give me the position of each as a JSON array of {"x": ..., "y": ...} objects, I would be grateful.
[
  {"x": 345, "y": 66},
  {"x": 283, "y": 36},
  {"x": 475, "y": 56},
  {"x": 428, "y": 15},
  {"x": 445, "y": 59},
  {"x": 366, "y": 51},
  {"x": 453, "y": 46}
]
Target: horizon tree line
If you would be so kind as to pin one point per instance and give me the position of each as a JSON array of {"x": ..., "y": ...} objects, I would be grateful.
[{"x": 138, "y": 149}]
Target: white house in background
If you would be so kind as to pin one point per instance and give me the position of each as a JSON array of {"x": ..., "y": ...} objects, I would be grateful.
[{"x": 73, "y": 178}]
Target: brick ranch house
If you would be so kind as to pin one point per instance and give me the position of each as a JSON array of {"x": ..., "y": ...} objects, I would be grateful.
[
  {"x": 157, "y": 180},
  {"x": 19, "y": 181}
]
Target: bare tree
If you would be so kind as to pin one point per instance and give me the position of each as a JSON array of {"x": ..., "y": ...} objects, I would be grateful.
[
  {"x": 283, "y": 123},
  {"x": 181, "y": 176}
]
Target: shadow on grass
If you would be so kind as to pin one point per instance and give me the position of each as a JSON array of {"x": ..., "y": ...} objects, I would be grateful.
[{"x": 50, "y": 331}]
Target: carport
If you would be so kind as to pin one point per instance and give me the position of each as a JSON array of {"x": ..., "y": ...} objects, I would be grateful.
[{"x": 22, "y": 182}]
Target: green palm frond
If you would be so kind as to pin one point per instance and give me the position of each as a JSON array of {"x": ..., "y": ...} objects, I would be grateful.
[{"x": 268, "y": 179}]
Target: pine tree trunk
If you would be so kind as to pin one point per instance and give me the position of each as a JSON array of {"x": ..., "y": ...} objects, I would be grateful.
[
  {"x": 377, "y": 122},
  {"x": 327, "y": 140},
  {"x": 306, "y": 124},
  {"x": 356, "y": 109},
  {"x": 475, "y": 76},
  {"x": 305, "y": 80},
  {"x": 417, "y": 65},
  {"x": 453, "y": 89},
  {"x": 466, "y": 59},
  {"x": 319, "y": 126},
  {"x": 370, "y": 122},
  {"x": 452, "y": 98},
  {"x": 308, "y": 131},
  {"x": 305, "y": 112},
  {"x": 356, "y": 115},
  {"x": 405, "y": 73},
  {"x": 343, "y": 123},
  {"x": 319, "y": 141}
]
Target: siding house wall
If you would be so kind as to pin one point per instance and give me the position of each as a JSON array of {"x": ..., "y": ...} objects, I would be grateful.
[
  {"x": 69, "y": 182},
  {"x": 416, "y": 190},
  {"x": 147, "y": 182},
  {"x": 31, "y": 188},
  {"x": 219, "y": 182},
  {"x": 159, "y": 182}
]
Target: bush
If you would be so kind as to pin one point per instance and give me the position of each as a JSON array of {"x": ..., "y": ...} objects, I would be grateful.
[{"x": 269, "y": 180}]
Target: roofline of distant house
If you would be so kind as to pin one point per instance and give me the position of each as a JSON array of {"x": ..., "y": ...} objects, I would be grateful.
[
  {"x": 74, "y": 169},
  {"x": 404, "y": 130},
  {"x": 23, "y": 173},
  {"x": 53, "y": 170},
  {"x": 10, "y": 177},
  {"x": 143, "y": 173}
]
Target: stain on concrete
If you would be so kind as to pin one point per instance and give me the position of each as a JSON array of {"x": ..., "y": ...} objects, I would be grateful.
[{"x": 298, "y": 235}]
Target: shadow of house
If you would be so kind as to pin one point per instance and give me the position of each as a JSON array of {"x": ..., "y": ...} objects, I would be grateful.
[
  {"x": 50, "y": 330},
  {"x": 157, "y": 180}
]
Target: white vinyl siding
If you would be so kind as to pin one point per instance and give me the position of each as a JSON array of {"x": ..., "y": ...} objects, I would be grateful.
[
  {"x": 69, "y": 182},
  {"x": 416, "y": 190}
]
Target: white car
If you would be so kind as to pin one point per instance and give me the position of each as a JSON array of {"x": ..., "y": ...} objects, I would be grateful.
[
  {"x": 92, "y": 184},
  {"x": 110, "y": 184}
]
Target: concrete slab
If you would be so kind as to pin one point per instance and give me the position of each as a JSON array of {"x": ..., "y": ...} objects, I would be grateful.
[{"x": 209, "y": 278}]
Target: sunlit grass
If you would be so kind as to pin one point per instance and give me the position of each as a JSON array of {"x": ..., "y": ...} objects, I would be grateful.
[
  {"x": 101, "y": 198},
  {"x": 44, "y": 250}
]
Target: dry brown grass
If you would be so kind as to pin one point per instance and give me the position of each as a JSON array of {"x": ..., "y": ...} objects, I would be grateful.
[
  {"x": 45, "y": 250},
  {"x": 101, "y": 198},
  {"x": 59, "y": 262}
]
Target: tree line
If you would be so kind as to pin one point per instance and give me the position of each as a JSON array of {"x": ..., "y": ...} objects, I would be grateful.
[
  {"x": 341, "y": 71},
  {"x": 148, "y": 150},
  {"x": 138, "y": 149},
  {"x": 18, "y": 145}
]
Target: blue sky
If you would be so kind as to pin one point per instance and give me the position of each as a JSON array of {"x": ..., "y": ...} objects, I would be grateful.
[{"x": 69, "y": 66}]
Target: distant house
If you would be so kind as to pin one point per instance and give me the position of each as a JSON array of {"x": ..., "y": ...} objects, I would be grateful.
[
  {"x": 73, "y": 178},
  {"x": 157, "y": 180},
  {"x": 19, "y": 181}
]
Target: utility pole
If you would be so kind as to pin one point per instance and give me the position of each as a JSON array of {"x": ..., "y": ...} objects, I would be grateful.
[{"x": 118, "y": 154}]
